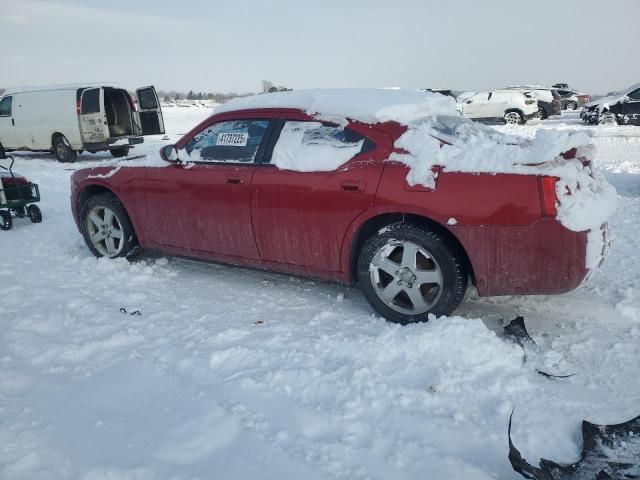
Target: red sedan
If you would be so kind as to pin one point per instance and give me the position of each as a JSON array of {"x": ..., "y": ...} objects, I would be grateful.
[{"x": 239, "y": 189}]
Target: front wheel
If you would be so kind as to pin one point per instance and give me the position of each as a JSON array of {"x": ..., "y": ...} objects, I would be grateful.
[
  {"x": 408, "y": 272},
  {"x": 35, "y": 215},
  {"x": 106, "y": 227},
  {"x": 512, "y": 118},
  {"x": 63, "y": 151},
  {"x": 542, "y": 113}
]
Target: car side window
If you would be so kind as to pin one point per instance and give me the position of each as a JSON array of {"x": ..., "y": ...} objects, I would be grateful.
[
  {"x": 5, "y": 107},
  {"x": 635, "y": 95},
  {"x": 234, "y": 141},
  {"x": 308, "y": 146}
]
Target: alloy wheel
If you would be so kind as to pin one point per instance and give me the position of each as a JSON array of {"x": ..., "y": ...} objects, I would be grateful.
[
  {"x": 105, "y": 231},
  {"x": 406, "y": 277}
]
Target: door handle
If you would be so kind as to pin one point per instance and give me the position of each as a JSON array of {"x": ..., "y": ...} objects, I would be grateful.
[
  {"x": 352, "y": 186},
  {"x": 235, "y": 180},
  {"x": 13, "y": 122}
]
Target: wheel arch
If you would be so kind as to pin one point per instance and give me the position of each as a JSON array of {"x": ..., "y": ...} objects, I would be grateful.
[
  {"x": 55, "y": 135},
  {"x": 375, "y": 223},
  {"x": 517, "y": 110},
  {"x": 92, "y": 190}
]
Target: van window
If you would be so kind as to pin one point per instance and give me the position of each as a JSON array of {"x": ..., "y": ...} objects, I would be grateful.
[
  {"x": 5, "y": 107},
  {"x": 90, "y": 101},
  {"x": 147, "y": 99}
]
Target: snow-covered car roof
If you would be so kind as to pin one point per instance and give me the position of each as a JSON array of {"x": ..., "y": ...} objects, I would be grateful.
[{"x": 368, "y": 105}]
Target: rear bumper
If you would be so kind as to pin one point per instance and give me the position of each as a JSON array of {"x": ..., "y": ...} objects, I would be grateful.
[
  {"x": 541, "y": 259},
  {"x": 120, "y": 142}
]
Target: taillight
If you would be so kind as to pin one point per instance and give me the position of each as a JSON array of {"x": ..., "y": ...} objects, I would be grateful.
[
  {"x": 78, "y": 106},
  {"x": 529, "y": 102},
  {"x": 548, "y": 198},
  {"x": 132, "y": 103}
]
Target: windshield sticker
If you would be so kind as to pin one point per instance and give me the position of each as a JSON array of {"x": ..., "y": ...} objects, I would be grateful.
[{"x": 233, "y": 139}]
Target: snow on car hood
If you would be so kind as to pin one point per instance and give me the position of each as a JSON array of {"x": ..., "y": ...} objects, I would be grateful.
[
  {"x": 368, "y": 105},
  {"x": 604, "y": 102}
]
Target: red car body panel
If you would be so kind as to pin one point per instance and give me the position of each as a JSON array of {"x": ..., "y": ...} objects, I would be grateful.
[{"x": 307, "y": 223}]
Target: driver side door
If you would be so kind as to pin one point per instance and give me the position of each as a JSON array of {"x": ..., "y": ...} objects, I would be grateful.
[{"x": 203, "y": 203}]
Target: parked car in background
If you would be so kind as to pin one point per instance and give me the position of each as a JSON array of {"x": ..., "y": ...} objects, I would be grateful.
[
  {"x": 508, "y": 105},
  {"x": 621, "y": 108},
  {"x": 572, "y": 99},
  {"x": 68, "y": 119},
  {"x": 267, "y": 185},
  {"x": 548, "y": 99}
]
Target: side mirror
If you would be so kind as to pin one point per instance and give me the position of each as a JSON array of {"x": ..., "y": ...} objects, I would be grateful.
[
  {"x": 169, "y": 153},
  {"x": 469, "y": 101},
  {"x": 625, "y": 99}
]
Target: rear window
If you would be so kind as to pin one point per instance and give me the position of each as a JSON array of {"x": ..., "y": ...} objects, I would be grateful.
[
  {"x": 147, "y": 99},
  {"x": 90, "y": 101},
  {"x": 5, "y": 106}
]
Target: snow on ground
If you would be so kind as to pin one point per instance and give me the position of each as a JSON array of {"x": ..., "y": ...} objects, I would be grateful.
[{"x": 234, "y": 373}]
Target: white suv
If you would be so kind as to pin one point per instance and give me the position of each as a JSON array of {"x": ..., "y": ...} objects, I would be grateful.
[{"x": 510, "y": 106}]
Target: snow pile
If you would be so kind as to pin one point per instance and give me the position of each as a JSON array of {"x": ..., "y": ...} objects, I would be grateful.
[
  {"x": 304, "y": 147},
  {"x": 369, "y": 105}
]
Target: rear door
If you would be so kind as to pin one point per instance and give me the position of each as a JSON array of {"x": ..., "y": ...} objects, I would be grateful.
[
  {"x": 8, "y": 137},
  {"x": 300, "y": 213},
  {"x": 148, "y": 118},
  {"x": 93, "y": 120}
]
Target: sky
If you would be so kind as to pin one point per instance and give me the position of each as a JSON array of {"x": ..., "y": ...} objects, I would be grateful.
[{"x": 227, "y": 46}]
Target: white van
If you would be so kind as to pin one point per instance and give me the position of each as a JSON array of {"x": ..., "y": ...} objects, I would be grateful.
[{"x": 68, "y": 119}]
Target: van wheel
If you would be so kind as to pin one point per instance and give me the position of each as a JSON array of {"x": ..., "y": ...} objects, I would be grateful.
[
  {"x": 63, "y": 151},
  {"x": 106, "y": 227},
  {"x": 408, "y": 272},
  {"x": 119, "y": 152}
]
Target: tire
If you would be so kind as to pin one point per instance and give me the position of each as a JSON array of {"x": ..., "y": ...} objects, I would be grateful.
[
  {"x": 542, "y": 113},
  {"x": 6, "y": 222},
  {"x": 571, "y": 106},
  {"x": 512, "y": 118},
  {"x": 119, "y": 152},
  {"x": 3, "y": 153},
  {"x": 35, "y": 215},
  {"x": 390, "y": 267},
  {"x": 106, "y": 227},
  {"x": 63, "y": 151}
]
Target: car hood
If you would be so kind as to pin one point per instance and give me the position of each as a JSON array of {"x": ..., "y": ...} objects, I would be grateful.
[{"x": 613, "y": 98}]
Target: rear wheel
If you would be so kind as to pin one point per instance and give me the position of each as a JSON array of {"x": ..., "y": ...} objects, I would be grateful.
[
  {"x": 106, "y": 227},
  {"x": 6, "y": 222},
  {"x": 35, "y": 215},
  {"x": 3, "y": 154},
  {"x": 408, "y": 272},
  {"x": 63, "y": 151},
  {"x": 119, "y": 152},
  {"x": 571, "y": 105},
  {"x": 512, "y": 118}
]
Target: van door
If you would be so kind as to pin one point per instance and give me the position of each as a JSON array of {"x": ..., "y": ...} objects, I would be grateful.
[
  {"x": 149, "y": 115},
  {"x": 93, "y": 120},
  {"x": 8, "y": 137}
]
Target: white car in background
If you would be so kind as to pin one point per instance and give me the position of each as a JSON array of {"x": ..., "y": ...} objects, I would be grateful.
[{"x": 509, "y": 106}]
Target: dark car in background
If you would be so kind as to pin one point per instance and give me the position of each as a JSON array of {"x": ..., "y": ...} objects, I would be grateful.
[{"x": 622, "y": 108}]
